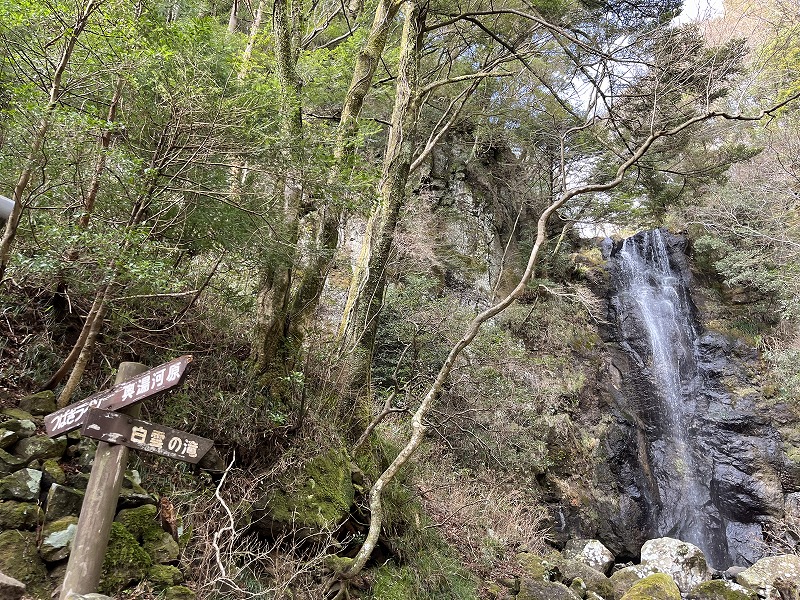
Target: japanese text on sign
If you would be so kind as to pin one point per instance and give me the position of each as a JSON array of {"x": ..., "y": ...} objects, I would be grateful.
[
  {"x": 128, "y": 392},
  {"x": 116, "y": 428}
]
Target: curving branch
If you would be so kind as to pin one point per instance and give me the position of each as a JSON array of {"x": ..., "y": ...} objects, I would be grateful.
[{"x": 418, "y": 426}]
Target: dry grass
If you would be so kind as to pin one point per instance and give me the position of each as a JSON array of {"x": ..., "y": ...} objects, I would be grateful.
[{"x": 486, "y": 521}]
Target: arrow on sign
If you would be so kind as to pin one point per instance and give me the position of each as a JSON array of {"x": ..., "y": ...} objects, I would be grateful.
[
  {"x": 157, "y": 379},
  {"x": 116, "y": 428}
]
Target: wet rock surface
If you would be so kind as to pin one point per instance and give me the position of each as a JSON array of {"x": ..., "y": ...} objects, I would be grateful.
[{"x": 732, "y": 454}]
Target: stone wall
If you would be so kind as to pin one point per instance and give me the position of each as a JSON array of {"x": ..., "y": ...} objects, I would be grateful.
[{"x": 42, "y": 484}]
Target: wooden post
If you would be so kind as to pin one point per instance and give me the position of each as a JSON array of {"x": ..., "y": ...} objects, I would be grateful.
[{"x": 99, "y": 507}]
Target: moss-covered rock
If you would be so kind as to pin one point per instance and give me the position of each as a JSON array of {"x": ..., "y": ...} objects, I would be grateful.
[
  {"x": 57, "y": 539},
  {"x": 63, "y": 501},
  {"x": 19, "y": 559},
  {"x": 125, "y": 563},
  {"x": 594, "y": 580},
  {"x": 625, "y": 578},
  {"x": 319, "y": 497},
  {"x": 178, "y": 592},
  {"x": 164, "y": 576},
  {"x": 532, "y": 589},
  {"x": 19, "y": 515},
  {"x": 53, "y": 471},
  {"x": 40, "y": 447},
  {"x": 40, "y": 403},
  {"x": 8, "y": 438},
  {"x": 9, "y": 463},
  {"x": 142, "y": 524},
  {"x": 770, "y": 573},
  {"x": 539, "y": 568},
  {"x": 23, "y": 485},
  {"x": 17, "y": 414},
  {"x": 719, "y": 589},
  {"x": 658, "y": 586}
]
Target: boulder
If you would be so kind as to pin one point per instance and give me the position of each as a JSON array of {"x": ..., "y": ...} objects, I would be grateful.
[
  {"x": 40, "y": 447},
  {"x": 41, "y": 403},
  {"x": 92, "y": 596},
  {"x": 8, "y": 438},
  {"x": 125, "y": 562},
  {"x": 57, "y": 539},
  {"x": 592, "y": 580},
  {"x": 141, "y": 522},
  {"x": 624, "y": 579},
  {"x": 178, "y": 592},
  {"x": 53, "y": 473},
  {"x": 17, "y": 414},
  {"x": 23, "y": 485},
  {"x": 9, "y": 463},
  {"x": 720, "y": 589},
  {"x": 684, "y": 562},
  {"x": 590, "y": 552},
  {"x": 20, "y": 560},
  {"x": 769, "y": 575},
  {"x": 534, "y": 589},
  {"x": 63, "y": 501},
  {"x": 19, "y": 515},
  {"x": 164, "y": 576},
  {"x": 134, "y": 496},
  {"x": 10, "y": 588},
  {"x": 658, "y": 586},
  {"x": 316, "y": 497}
]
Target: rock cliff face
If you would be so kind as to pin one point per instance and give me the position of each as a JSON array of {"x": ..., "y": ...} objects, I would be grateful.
[{"x": 688, "y": 444}]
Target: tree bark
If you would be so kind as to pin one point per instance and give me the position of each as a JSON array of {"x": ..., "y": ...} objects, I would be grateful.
[
  {"x": 272, "y": 313},
  {"x": 105, "y": 142},
  {"x": 86, "y": 349},
  {"x": 309, "y": 289},
  {"x": 359, "y": 321}
]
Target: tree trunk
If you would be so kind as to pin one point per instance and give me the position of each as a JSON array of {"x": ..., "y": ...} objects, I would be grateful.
[
  {"x": 86, "y": 350},
  {"x": 271, "y": 328},
  {"x": 306, "y": 297},
  {"x": 41, "y": 133},
  {"x": 233, "y": 21},
  {"x": 359, "y": 321},
  {"x": 105, "y": 142}
]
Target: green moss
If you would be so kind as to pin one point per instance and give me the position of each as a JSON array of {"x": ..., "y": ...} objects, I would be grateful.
[
  {"x": 19, "y": 515},
  {"x": 718, "y": 589},
  {"x": 126, "y": 561},
  {"x": 338, "y": 564},
  {"x": 658, "y": 586},
  {"x": 52, "y": 469},
  {"x": 392, "y": 583},
  {"x": 164, "y": 576},
  {"x": 178, "y": 592},
  {"x": 142, "y": 524},
  {"x": 324, "y": 497},
  {"x": 19, "y": 559}
]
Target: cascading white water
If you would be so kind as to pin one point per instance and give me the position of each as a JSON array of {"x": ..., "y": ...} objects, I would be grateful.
[{"x": 657, "y": 327}]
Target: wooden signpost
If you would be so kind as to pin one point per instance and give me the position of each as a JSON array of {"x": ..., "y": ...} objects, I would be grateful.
[{"x": 117, "y": 432}]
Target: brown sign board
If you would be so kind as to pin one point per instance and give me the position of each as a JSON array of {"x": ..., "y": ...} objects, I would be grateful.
[
  {"x": 157, "y": 379},
  {"x": 117, "y": 428}
]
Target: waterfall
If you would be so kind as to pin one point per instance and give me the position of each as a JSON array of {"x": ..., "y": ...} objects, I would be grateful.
[{"x": 656, "y": 326}]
